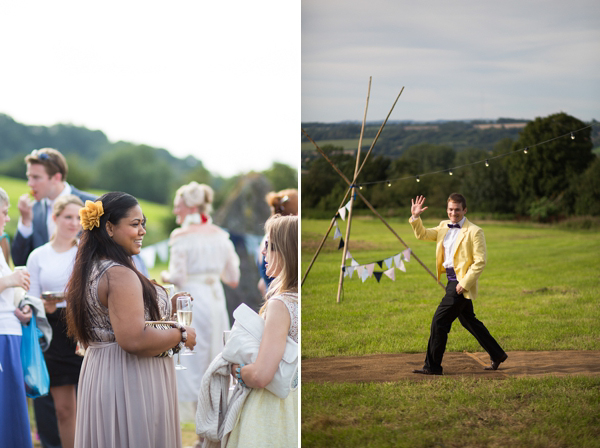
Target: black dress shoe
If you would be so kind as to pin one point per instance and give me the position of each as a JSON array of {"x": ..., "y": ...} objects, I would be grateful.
[
  {"x": 494, "y": 365},
  {"x": 425, "y": 371}
]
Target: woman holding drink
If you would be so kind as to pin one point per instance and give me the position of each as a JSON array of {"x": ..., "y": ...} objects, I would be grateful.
[
  {"x": 50, "y": 267},
  {"x": 127, "y": 392}
]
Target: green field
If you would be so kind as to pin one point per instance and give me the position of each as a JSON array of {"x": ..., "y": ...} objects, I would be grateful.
[
  {"x": 539, "y": 291},
  {"x": 348, "y": 143}
]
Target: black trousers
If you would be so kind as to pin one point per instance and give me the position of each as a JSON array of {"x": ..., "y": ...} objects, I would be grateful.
[
  {"x": 47, "y": 424},
  {"x": 453, "y": 306}
]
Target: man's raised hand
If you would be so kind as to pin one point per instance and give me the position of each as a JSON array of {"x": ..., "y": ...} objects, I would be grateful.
[{"x": 417, "y": 206}]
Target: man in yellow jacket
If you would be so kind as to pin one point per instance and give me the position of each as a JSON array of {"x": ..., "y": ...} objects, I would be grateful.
[{"x": 461, "y": 254}]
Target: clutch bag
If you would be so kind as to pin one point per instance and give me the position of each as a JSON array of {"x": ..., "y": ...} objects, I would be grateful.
[{"x": 162, "y": 325}]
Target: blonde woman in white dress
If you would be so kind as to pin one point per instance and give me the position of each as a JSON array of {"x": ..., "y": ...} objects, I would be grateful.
[
  {"x": 201, "y": 257},
  {"x": 265, "y": 419}
]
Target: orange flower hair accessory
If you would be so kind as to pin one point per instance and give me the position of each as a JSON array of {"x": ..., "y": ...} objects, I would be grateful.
[{"x": 90, "y": 214}]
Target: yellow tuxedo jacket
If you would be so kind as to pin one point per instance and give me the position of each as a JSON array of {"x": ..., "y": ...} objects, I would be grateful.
[{"x": 469, "y": 257}]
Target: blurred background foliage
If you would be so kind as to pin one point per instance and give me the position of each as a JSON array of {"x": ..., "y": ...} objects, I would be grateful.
[{"x": 553, "y": 181}]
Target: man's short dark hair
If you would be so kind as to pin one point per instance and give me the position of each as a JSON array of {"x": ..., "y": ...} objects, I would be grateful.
[{"x": 458, "y": 198}]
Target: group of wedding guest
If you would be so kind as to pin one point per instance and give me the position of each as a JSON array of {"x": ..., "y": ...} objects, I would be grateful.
[{"x": 125, "y": 391}]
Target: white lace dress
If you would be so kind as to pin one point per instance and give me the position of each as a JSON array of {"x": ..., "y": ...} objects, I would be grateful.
[
  {"x": 266, "y": 420},
  {"x": 202, "y": 256}
]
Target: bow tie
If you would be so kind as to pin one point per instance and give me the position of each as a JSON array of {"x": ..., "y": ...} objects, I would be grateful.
[{"x": 454, "y": 226}]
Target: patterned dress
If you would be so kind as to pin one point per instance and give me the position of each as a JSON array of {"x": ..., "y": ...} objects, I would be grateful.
[
  {"x": 267, "y": 420},
  {"x": 124, "y": 400}
]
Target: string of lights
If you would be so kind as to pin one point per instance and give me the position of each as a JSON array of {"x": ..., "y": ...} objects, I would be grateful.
[{"x": 450, "y": 171}]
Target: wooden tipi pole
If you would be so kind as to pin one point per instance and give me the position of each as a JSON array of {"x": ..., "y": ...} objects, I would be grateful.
[{"x": 352, "y": 196}]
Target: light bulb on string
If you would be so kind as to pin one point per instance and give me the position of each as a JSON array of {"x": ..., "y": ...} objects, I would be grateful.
[
  {"x": 487, "y": 163},
  {"x": 360, "y": 187},
  {"x": 525, "y": 150},
  {"x": 418, "y": 179},
  {"x": 572, "y": 136},
  {"x": 389, "y": 183},
  {"x": 450, "y": 172}
]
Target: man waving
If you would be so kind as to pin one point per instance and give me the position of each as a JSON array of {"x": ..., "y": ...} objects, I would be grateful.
[{"x": 461, "y": 254}]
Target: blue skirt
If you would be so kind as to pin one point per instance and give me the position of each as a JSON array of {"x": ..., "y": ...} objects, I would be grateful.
[{"x": 14, "y": 418}]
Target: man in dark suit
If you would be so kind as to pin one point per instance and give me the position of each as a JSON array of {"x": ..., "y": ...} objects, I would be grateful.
[{"x": 46, "y": 177}]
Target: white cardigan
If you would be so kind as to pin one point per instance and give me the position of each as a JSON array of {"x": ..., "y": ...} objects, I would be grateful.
[{"x": 218, "y": 413}]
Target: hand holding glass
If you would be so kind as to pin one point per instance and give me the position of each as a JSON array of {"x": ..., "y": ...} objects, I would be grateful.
[{"x": 184, "y": 316}]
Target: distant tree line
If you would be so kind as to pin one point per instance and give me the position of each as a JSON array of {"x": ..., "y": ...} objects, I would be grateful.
[
  {"x": 95, "y": 162},
  {"x": 557, "y": 179}
]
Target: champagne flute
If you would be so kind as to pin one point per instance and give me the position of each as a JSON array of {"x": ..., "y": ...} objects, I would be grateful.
[
  {"x": 184, "y": 316},
  {"x": 171, "y": 291},
  {"x": 178, "y": 365}
]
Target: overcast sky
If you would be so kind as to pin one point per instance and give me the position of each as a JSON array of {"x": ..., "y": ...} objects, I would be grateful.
[
  {"x": 468, "y": 59},
  {"x": 217, "y": 80}
]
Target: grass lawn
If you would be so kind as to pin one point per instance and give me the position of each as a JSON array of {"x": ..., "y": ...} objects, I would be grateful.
[{"x": 539, "y": 291}]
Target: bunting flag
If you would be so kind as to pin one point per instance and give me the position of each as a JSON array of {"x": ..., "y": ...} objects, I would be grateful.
[
  {"x": 360, "y": 270},
  {"x": 389, "y": 262},
  {"x": 365, "y": 271},
  {"x": 162, "y": 250},
  {"x": 148, "y": 254},
  {"x": 365, "y": 275},
  {"x": 401, "y": 266},
  {"x": 348, "y": 206},
  {"x": 391, "y": 274},
  {"x": 370, "y": 267},
  {"x": 337, "y": 233}
]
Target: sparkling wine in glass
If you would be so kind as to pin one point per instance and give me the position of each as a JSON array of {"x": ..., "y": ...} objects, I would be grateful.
[{"x": 184, "y": 316}]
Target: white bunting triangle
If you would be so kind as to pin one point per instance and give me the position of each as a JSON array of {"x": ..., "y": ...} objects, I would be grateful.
[
  {"x": 348, "y": 255},
  {"x": 359, "y": 270},
  {"x": 337, "y": 233},
  {"x": 391, "y": 273},
  {"x": 350, "y": 271},
  {"x": 406, "y": 254},
  {"x": 389, "y": 262},
  {"x": 401, "y": 266},
  {"x": 348, "y": 206},
  {"x": 370, "y": 268},
  {"x": 365, "y": 275},
  {"x": 342, "y": 212},
  {"x": 397, "y": 259},
  {"x": 354, "y": 262}
]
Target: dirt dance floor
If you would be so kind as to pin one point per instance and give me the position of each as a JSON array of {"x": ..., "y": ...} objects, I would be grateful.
[{"x": 394, "y": 367}]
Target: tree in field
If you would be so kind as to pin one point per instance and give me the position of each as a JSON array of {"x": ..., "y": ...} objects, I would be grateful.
[
  {"x": 549, "y": 169},
  {"x": 138, "y": 171},
  {"x": 487, "y": 187},
  {"x": 588, "y": 191},
  {"x": 282, "y": 176}
]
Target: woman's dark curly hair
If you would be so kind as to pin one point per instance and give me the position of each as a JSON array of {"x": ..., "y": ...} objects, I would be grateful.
[{"x": 95, "y": 245}]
